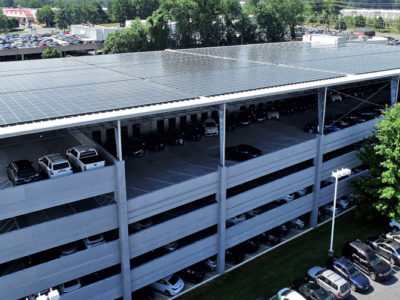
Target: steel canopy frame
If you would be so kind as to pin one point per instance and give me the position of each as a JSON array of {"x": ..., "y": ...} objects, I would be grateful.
[{"x": 95, "y": 118}]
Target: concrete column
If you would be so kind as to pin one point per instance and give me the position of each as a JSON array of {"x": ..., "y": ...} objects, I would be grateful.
[
  {"x": 22, "y": 56},
  {"x": 221, "y": 193},
  {"x": 122, "y": 205},
  {"x": 394, "y": 89},
  {"x": 118, "y": 142},
  {"x": 322, "y": 92}
]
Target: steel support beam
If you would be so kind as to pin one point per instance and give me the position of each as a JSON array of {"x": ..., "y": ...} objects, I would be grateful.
[
  {"x": 394, "y": 89},
  {"x": 322, "y": 93},
  {"x": 122, "y": 205},
  {"x": 221, "y": 193}
]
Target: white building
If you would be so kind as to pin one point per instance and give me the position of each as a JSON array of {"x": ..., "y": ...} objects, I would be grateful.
[{"x": 93, "y": 32}]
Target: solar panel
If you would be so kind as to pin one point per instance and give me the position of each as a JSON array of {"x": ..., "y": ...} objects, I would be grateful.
[{"x": 47, "y": 89}]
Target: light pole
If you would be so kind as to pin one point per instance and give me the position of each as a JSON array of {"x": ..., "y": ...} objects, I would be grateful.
[{"x": 336, "y": 174}]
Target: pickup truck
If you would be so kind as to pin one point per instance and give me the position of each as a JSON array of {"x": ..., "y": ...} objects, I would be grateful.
[{"x": 85, "y": 158}]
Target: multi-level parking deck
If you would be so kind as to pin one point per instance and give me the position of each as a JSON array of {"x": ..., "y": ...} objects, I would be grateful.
[{"x": 183, "y": 193}]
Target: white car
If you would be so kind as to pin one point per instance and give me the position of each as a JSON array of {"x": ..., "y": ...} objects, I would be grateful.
[
  {"x": 48, "y": 294},
  {"x": 329, "y": 209},
  {"x": 394, "y": 225},
  {"x": 343, "y": 202},
  {"x": 210, "y": 127},
  {"x": 297, "y": 223},
  {"x": 211, "y": 263},
  {"x": 170, "y": 286},
  {"x": 236, "y": 220},
  {"x": 301, "y": 192},
  {"x": 335, "y": 98},
  {"x": 288, "y": 294},
  {"x": 54, "y": 165},
  {"x": 288, "y": 198},
  {"x": 70, "y": 286},
  {"x": 171, "y": 246},
  {"x": 94, "y": 241},
  {"x": 273, "y": 115}
]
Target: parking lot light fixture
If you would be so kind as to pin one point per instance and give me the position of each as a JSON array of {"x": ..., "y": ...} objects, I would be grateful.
[{"x": 337, "y": 175}]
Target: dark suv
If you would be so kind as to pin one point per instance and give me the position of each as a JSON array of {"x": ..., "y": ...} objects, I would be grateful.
[
  {"x": 21, "y": 171},
  {"x": 367, "y": 260}
]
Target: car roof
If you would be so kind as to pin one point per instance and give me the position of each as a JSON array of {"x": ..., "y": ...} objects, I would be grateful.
[
  {"x": 83, "y": 147},
  {"x": 23, "y": 164},
  {"x": 334, "y": 277},
  {"x": 56, "y": 158},
  {"x": 360, "y": 245}
]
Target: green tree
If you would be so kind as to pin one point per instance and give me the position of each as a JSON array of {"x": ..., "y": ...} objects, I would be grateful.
[
  {"x": 34, "y": 4},
  {"x": 121, "y": 10},
  {"x": 6, "y": 3},
  {"x": 379, "y": 23},
  {"x": 12, "y": 23},
  {"x": 381, "y": 155},
  {"x": 51, "y": 53},
  {"x": 134, "y": 38},
  {"x": 398, "y": 25},
  {"x": 45, "y": 15},
  {"x": 92, "y": 12},
  {"x": 3, "y": 21},
  {"x": 270, "y": 18},
  {"x": 208, "y": 22},
  {"x": 63, "y": 16},
  {"x": 158, "y": 30},
  {"x": 315, "y": 6},
  {"x": 231, "y": 12},
  {"x": 246, "y": 29},
  {"x": 341, "y": 24},
  {"x": 144, "y": 8},
  {"x": 293, "y": 15},
  {"x": 359, "y": 21}
]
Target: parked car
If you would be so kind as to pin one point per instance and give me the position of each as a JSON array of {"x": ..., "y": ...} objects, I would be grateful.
[
  {"x": 140, "y": 225},
  {"x": 333, "y": 283},
  {"x": 242, "y": 152},
  {"x": 329, "y": 209},
  {"x": 193, "y": 132},
  {"x": 85, "y": 158},
  {"x": 171, "y": 246},
  {"x": 388, "y": 249},
  {"x": 358, "y": 281},
  {"x": 54, "y": 165},
  {"x": 288, "y": 294},
  {"x": 176, "y": 137},
  {"x": 235, "y": 220},
  {"x": 251, "y": 245},
  {"x": 69, "y": 249},
  {"x": 258, "y": 115},
  {"x": 21, "y": 172},
  {"x": 288, "y": 197},
  {"x": 94, "y": 241},
  {"x": 234, "y": 255},
  {"x": 271, "y": 237},
  {"x": 394, "y": 225},
  {"x": 155, "y": 142},
  {"x": 194, "y": 273},
  {"x": 243, "y": 118},
  {"x": 170, "y": 286},
  {"x": 367, "y": 260},
  {"x": 296, "y": 223},
  {"x": 145, "y": 293},
  {"x": 310, "y": 290},
  {"x": 70, "y": 286},
  {"x": 211, "y": 263},
  {"x": 210, "y": 127},
  {"x": 135, "y": 147},
  {"x": 394, "y": 235}
]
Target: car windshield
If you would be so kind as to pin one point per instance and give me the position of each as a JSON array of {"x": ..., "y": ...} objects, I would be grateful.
[
  {"x": 210, "y": 124},
  {"x": 61, "y": 166},
  {"x": 95, "y": 238},
  {"x": 344, "y": 287},
  {"x": 26, "y": 173},
  {"x": 173, "y": 280},
  {"x": 354, "y": 272},
  {"x": 70, "y": 283},
  {"x": 88, "y": 153},
  {"x": 374, "y": 259}
]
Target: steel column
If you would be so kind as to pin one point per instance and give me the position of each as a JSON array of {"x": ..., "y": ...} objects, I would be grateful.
[
  {"x": 322, "y": 93},
  {"x": 118, "y": 142},
  {"x": 221, "y": 193},
  {"x": 394, "y": 89}
]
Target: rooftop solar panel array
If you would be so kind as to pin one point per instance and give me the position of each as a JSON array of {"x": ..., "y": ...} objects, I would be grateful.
[{"x": 45, "y": 89}]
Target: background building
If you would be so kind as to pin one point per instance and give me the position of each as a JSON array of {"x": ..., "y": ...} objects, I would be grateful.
[{"x": 93, "y": 32}]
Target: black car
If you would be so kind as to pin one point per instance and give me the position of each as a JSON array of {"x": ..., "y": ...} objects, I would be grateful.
[
  {"x": 271, "y": 237},
  {"x": 242, "y": 152},
  {"x": 194, "y": 274},
  {"x": 310, "y": 290},
  {"x": 155, "y": 142},
  {"x": 145, "y": 293},
  {"x": 176, "y": 137},
  {"x": 193, "y": 132},
  {"x": 367, "y": 260},
  {"x": 244, "y": 118},
  {"x": 134, "y": 147},
  {"x": 251, "y": 245},
  {"x": 258, "y": 115},
  {"x": 234, "y": 255},
  {"x": 231, "y": 123},
  {"x": 389, "y": 249},
  {"x": 21, "y": 171}
]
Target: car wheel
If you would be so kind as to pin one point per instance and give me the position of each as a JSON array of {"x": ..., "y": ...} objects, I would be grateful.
[
  {"x": 392, "y": 261},
  {"x": 373, "y": 276},
  {"x": 297, "y": 227},
  {"x": 167, "y": 293},
  {"x": 353, "y": 287}
]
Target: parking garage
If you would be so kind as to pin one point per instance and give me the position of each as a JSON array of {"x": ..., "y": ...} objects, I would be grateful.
[{"x": 169, "y": 208}]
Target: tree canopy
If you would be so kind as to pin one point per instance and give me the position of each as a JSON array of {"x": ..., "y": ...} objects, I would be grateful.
[
  {"x": 45, "y": 15},
  {"x": 51, "y": 53},
  {"x": 381, "y": 155}
]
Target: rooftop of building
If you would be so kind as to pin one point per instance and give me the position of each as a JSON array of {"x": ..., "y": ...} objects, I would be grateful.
[{"x": 39, "y": 91}]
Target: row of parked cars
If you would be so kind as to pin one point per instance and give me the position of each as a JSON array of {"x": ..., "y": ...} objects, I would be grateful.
[
  {"x": 373, "y": 258},
  {"x": 79, "y": 158},
  {"x": 16, "y": 40}
]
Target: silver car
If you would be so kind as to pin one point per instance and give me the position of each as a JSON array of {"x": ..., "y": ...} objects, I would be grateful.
[{"x": 330, "y": 281}]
